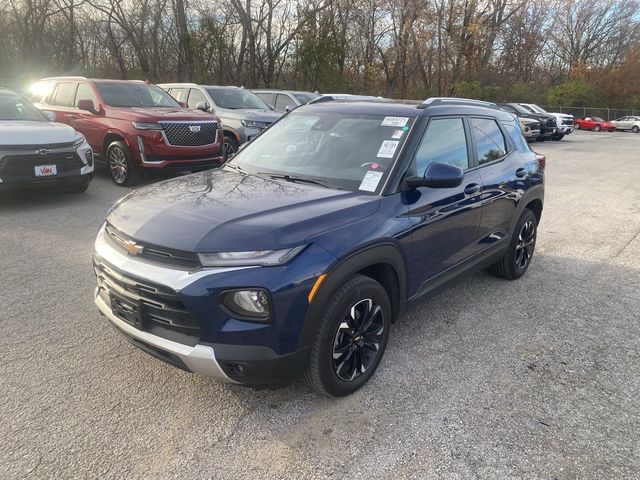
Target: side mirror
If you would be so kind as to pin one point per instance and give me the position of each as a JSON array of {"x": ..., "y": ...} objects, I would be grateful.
[
  {"x": 288, "y": 108},
  {"x": 51, "y": 116},
  {"x": 438, "y": 175},
  {"x": 86, "y": 105},
  {"x": 202, "y": 105}
]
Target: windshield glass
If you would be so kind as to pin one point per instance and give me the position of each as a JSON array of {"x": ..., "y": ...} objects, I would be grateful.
[
  {"x": 305, "y": 97},
  {"x": 345, "y": 151},
  {"x": 520, "y": 109},
  {"x": 13, "y": 107},
  {"x": 235, "y": 98},
  {"x": 537, "y": 109},
  {"x": 135, "y": 95}
]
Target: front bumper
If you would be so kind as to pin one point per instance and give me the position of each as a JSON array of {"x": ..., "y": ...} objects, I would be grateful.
[{"x": 565, "y": 129}]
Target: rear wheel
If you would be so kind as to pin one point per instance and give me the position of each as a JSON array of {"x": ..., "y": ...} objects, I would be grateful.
[
  {"x": 635, "y": 129},
  {"x": 351, "y": 338},
  {"x": 576, "y": 126},
  {"x": 121, "y": 166},
  {"x": 523, "y": 243},
  {"x": 597, "y": 128}
]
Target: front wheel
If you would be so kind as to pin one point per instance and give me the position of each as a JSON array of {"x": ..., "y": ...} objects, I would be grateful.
[
  {"x": 351, "y": 338},
  {"x": 121, "y": 166},
  {"x": 576, "y": 126},
  {"x": 230, "y": 146},
  {"x": 635, "y": 129},
  {"x": 597, "y": 128},
  {"x": 523, "y": 243}
]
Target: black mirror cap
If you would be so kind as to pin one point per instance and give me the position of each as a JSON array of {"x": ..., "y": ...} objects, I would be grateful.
[{"x": 438, "y": 175}]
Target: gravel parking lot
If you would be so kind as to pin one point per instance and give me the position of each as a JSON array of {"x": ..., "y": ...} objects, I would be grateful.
[{"x": 536, "y": 378}]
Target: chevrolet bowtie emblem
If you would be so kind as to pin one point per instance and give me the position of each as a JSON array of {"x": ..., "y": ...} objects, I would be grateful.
[{"x": 133, "y": 248}]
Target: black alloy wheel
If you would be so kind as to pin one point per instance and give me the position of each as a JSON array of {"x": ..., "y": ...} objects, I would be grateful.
[
  {"x": 525, "y": 244},
  {"x": 517, "y": 258}
]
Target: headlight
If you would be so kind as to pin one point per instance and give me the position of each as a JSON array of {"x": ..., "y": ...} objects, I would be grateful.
[
  {"x": 264, "y": 258},
  {"x": 146, "y": 126},
  {"x": 254, "y": 124},
  {"x": 252, "y": 303}
]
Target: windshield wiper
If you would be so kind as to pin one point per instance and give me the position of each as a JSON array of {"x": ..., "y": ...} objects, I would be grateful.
[{"x": 294, "y": 179}]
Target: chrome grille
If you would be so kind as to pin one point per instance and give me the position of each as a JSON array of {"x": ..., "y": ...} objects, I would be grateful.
[{"x": 190, "y": 134}]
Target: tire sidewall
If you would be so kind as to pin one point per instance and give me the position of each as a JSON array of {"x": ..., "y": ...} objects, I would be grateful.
[{"x": 369, "y": 288}]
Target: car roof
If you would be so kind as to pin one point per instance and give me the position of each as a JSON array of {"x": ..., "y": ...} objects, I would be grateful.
[
  {"x": 409, "y": 108},
  {"x": 276, "y": 90},
  {"x": 101, "y": 80}
]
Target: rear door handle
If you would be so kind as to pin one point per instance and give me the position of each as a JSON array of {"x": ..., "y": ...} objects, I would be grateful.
[
  {"x": 521, "y": 172},
  {"x": 471, "y": 189}
]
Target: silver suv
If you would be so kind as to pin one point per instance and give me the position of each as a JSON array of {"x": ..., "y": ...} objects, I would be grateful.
[
  {"x": 242, "y": 113},
  {"x": 281, "y": 99}
]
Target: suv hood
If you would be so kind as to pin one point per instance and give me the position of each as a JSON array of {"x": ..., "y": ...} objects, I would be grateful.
[
  {"x": 261, "y": 115},
  {"x": 159, "y": 114},
  {"x": 21, "y": 132},
  {"x": 224, "y": 210}
]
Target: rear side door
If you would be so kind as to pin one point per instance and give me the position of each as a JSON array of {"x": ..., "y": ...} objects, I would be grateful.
[
  {"x": 504, "y": 175},
  {"x": 61, "y": 101},
  {"x": 444, "y": 221}
]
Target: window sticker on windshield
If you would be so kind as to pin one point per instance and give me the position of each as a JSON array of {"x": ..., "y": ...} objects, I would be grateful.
[
  {"x": 370, "y": 181},
  {"x": 387, "y": 149},
  {"x": 395, "y": 121},
  {"x": 397, "y": 134}
]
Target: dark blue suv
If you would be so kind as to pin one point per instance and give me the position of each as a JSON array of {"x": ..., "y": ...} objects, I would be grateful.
[{"x": 299, "y": 254}]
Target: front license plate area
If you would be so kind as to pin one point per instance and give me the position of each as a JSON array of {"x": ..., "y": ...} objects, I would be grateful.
[
  {"x": 46, "y": 170},
  {"x": 126, "y": 310}
]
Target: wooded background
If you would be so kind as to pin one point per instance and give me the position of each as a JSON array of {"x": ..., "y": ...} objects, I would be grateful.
[{"x": 560, "y": 52}]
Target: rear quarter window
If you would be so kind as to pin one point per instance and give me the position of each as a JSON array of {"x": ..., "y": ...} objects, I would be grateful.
[{"x": 515, "y": 135}]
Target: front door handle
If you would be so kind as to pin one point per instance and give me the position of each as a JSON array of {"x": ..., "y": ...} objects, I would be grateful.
[
  {"x": 471, "y": 189},
  {"x": 521, "y": 172}
]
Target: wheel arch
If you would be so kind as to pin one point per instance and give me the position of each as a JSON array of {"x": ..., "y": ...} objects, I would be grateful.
[
  {"x": 111, "y": 137},
  {"x": 383, "y": 263}
]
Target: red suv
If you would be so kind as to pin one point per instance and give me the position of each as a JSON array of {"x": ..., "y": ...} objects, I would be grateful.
[{"x": 132, "y": 125}]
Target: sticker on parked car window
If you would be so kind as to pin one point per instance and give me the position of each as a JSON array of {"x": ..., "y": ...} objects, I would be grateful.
[
  {"x": 387, "y": 149},
  {"x": 395, "y": 121},
  {"x": 370, "y": 181},
  {"x": 397, "y": 134}
]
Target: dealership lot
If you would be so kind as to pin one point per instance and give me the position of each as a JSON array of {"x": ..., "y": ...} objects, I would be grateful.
[{"x": 535, "y": 378}]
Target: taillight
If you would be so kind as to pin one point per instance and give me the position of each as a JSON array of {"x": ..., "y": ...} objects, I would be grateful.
[{"x": 542, "y": 161}]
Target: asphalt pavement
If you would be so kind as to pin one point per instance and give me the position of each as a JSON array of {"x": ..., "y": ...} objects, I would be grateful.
[{"x": 537, "y": 378}]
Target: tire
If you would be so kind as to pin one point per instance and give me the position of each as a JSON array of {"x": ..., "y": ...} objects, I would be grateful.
[
  {"x": 231, "y": 145},
  {"x": 635, "y": 129},
  {"x": 120, "y": 165},
  {"x": 81, "y": 187},
  {"x": 514, "y": 264},
  {"x": 339, "y": 376},
  {"x": 597, "y": 128},
  {"x": 576, "y": 126},
  {"x": 558, "y": 136}
]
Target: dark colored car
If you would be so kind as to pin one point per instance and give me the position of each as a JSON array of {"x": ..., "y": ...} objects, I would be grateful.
[
  {"x": 548, "y": 123},
  {"x": 299, "y": 254},
  {"x": 36, "y": 152},
  {"x": 132, "y": 125},
  {"x": 594, "y": 123}
]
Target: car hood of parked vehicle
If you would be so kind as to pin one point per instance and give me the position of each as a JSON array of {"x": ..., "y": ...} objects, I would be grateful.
[
  {"x": 260, "y": 115},
  {"x": 159, "y": 114},
  {"x": 25, "y": 132},
  {"x": 225, "y": 210}
]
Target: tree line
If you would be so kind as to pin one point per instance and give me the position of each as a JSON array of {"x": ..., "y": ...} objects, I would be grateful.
[{"x": 564, "y": 52}]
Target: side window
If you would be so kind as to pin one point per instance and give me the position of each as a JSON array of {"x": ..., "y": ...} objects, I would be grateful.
[
  {"x": 444, "y": 142},
  {"x": 283, "y": 101},
  {"x": 64, "y": 95},
  {"x": 515, "y": 134},
  {"x": 40, "y": 91},
  {"x": 179, "y": 94},
  {"x": 84, "y": 92},
  {"x": 196, "y": 96},
  {"x": 490, "y": 142},
  {"x": 266, "y": 97}
]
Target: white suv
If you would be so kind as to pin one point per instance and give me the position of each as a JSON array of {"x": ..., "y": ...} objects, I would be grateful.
[{"x": 36, "y": 152}]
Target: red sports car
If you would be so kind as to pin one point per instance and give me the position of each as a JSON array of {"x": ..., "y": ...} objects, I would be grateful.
[{"x": 593, "y": 123}]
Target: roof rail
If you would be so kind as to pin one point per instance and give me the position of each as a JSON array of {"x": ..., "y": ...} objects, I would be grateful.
[
  {"x": 322, "y": 99},
  {"x": 75, "y": 77},
  {"x": 433, "y": 101}
]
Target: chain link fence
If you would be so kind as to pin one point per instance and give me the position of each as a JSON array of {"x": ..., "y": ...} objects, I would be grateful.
[{"x": 581, "y": 112}]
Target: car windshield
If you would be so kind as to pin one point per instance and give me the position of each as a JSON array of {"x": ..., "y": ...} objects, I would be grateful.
[
  {"x": 520, "y": 109},
  {"x": 598, "y": 119},
  {"x": 344, "y": 151},
  {"x": 305, "y": 97},
  {"x": 14, "y": 107},
  {"x": 236, "y": 98},
  {"x": 135, "y": 95},
  {"x": 536, "y": 109}
]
